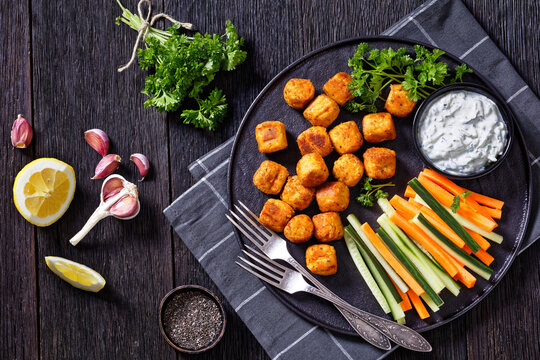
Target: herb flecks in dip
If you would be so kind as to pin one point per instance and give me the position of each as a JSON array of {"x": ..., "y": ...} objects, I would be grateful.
[
  {"x": 192, "y": 320},
  {"x": 462, "y": 132}
]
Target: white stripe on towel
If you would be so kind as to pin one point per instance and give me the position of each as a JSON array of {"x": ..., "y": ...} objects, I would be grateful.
[
  {"x": 516, "y": 94},
  {"x": 349, "y": 357},
  {"x": 249, "y": 298},
  {"x": 294, "y": 343},
  {"x": 215, "y": 246},
  {"x": 473, "y": 47},
  {"x": 423, "y": 31}
]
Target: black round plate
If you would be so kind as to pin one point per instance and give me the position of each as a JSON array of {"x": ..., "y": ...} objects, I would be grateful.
[{"x": 509, "y": 182}]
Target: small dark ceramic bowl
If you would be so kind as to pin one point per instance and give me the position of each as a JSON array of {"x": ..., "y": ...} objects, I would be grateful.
[
  {"x": 505, "y": 113},
  {"x": 196, "y": 288}
]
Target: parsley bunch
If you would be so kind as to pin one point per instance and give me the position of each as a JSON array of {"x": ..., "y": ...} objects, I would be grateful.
[
  {"x": 374, "y": 70},
  {"x": 184, "y": 66},
  {"x": 371, "y": 192}
]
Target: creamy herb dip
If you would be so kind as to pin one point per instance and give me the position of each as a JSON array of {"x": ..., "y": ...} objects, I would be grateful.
[{"x": 462, "y": 132}]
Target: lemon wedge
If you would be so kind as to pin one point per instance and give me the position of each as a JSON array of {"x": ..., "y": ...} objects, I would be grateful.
[
  {"x": 78, "y": 275},
  {"x": 43, "y": 190}
]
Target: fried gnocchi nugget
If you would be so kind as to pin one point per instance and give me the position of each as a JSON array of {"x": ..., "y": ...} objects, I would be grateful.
[
  {"x": 321, "y": 259},
  {"x": 298, "y": 93},
  {"x": 314, "y": 140},
  {"x": 322, "y": 111},
  {"x": 271, "y": 136},
  {"x": 348, "y": 169},
  {"x": 380, "y": 163},
  {"x": 397, "y": 103},
  {"x": 338, "y": 88},
  {"x": 378, "y": 127},
  {"x": 275, "y": 214},
  {"x": 328, "y": 226},
  {"x": 296, "y": 194},
  {"x": 270, "y": 177},
  {"x": 311, "y": 170},
  {"x": 346, "y": 137},
  {"x": 299, "y": 229},
  {"x": 332, "y": 196}
]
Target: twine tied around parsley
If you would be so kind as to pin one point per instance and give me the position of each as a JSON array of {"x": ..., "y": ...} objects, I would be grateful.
[{"x": 145, "y": 28}]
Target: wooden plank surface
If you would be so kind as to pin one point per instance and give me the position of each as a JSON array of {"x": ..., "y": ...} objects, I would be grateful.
[
  {"x": 76, "y": 50},
  {"x": 58, "y": 65},
  {"x": 18, "y": 296}
]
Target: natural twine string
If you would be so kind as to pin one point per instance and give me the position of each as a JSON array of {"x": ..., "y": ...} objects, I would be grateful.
[{"x": 145, "y": 28}]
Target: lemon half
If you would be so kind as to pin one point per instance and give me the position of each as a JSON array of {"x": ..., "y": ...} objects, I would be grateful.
[
  {"x": 43, "y": 190},
  {"x": 78, "y": 275}
]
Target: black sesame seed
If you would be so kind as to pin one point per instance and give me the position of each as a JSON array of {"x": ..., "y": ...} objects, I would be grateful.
[{"x": 192, "y": 320}]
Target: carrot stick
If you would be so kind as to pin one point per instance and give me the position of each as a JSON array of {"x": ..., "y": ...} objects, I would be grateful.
[
  {"x": 483, "y": 243},
  {"x": 467, "y": 249},
  {"x": 409, "y": 192},
  {"x": 445, "y": 198},
  {"x": 389, "y": 257},
  {"x": 405, "y": 304},
  {"x": 466, "y": 278},
  {"x": 477, "y": 218},
  {"x": 455, "y": 189},
  {"x": 407, "y": 209},
  {"x": 418, "y": 305},
  {"x": 484, "y": 257},
  {"x": 486, "y": 200},
  {"x": 463, "y": 275},
  {"x": 414, "y": 202},
  {"x": 494, "y": 213},
  {"x": 434, "y": 249}
]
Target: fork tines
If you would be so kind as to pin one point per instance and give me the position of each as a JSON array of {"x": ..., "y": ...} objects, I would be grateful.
[
  {"x": 269, "y": 271},
  {"x": 253, "y": 232}
]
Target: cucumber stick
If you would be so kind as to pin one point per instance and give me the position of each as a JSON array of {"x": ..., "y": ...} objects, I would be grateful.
[
  {"x": 381, "y": 277},
  {"x": 398, "y": 253},
  {"x": 364, "y": 271},
  {"x": 375, "y": 267},
  {"x": 424, "y": 269},
  {"x": 444, "y": 214},
  {"x": 355, "y": 223},
  {"x": 472, "y": 263}
]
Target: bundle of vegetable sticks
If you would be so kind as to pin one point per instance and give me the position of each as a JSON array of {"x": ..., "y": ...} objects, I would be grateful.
[{"x": 432, "y": 241}]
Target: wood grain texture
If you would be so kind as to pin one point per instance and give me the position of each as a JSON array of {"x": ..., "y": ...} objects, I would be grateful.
[
  {"x": 18, "y": 296},
  {"x": 76, "y": 51},
  {"x": 58, "y": 65}
]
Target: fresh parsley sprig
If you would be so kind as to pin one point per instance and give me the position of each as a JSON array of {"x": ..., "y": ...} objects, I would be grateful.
[
  {"x": 374, "y": 70},
  {"x": 184, "y": 66},
  {"x": 456, "y": 203},
  {"x": 371, "y": 192}
]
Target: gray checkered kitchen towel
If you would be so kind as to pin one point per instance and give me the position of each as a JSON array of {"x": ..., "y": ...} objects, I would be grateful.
[{"x": 200, "y": 211}]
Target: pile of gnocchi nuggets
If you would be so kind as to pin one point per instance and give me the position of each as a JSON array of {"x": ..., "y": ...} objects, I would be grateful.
[{"x": 310, "y": 181}]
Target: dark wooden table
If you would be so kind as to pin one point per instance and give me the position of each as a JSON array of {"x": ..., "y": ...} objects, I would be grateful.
[{"x": 58, "y": 68}]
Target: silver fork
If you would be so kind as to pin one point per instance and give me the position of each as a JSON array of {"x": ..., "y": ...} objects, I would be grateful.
[
  {"x": 279, "y": 251},
  {"x": 362, "y": 322}
]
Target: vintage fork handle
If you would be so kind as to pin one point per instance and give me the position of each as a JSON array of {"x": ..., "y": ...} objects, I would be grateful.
[
  {"x": 362, "y": 328},
  {"x": 399, "y": 334},
  {"x": 365, "y": 330}
]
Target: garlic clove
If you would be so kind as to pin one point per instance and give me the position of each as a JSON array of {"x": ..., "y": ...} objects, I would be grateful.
[
  {"x": 123, "y": 205},
  {"x": 107, "y": 166},
  {"x": 98, "y": 140},
  {"x": 21, "y": 133},
  {"x": 142, "y": 164},
  {"x": 111, "y": 186},
  {"x": 125, "y": 208}
]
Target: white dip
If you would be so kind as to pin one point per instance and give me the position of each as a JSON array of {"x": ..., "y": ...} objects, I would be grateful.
[{"x": 462, "y": 132}]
